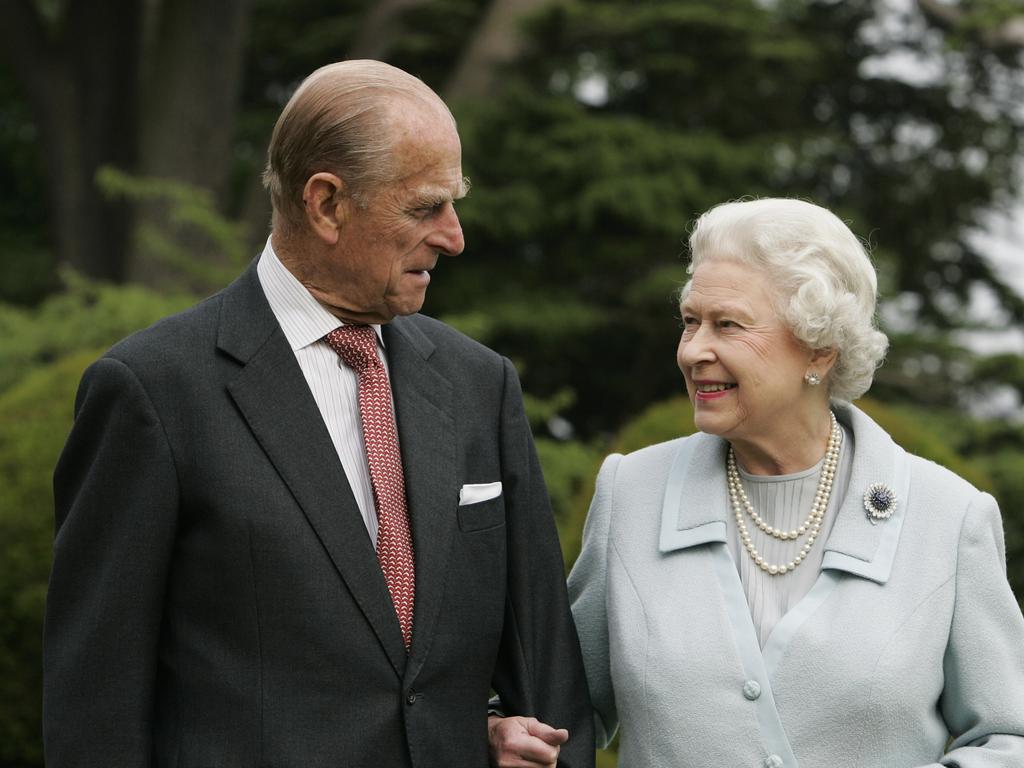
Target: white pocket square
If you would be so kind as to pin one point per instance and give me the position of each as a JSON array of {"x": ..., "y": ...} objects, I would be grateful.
[{"x": 474, "y": 493}]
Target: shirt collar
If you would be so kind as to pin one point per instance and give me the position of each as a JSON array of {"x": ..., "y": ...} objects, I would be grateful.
[{"x": 302, "y": 318}]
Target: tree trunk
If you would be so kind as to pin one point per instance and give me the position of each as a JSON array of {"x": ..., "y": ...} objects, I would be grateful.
[
  {"x": 497, "y": 41},
  {"x": 80, "y": 78},
  {"x": 191, "y": 95},
  {"x": 192, "y": 89}
]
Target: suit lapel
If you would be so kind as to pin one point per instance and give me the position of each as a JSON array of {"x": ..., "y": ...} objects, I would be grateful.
[
  {"x": 855, "y": 545},
  {"x": 273, "y": 397},
  {"x": 426, "y": 431}
]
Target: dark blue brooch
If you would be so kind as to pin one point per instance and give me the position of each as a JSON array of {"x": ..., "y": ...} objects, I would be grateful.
[{"x": 879, "y": 502}]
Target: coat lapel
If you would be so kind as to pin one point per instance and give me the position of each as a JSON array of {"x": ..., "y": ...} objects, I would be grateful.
[
  {"x": 426, "y": 432},
  {"x": 855, "y": 545},
  {"x": 273, "y": 397},
  {"x": 696, "y": 501}
]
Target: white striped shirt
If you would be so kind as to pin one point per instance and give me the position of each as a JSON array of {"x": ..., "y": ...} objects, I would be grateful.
[{"x": 334, "y": 385}]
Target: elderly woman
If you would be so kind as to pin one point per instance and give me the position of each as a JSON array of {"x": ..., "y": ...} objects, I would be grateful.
[{"x": 788, "y": 586}]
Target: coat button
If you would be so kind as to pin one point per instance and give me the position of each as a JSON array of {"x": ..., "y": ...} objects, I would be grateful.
[
  {"x": 751, "y": 690},
  {"x": 410, "y": 698},
  {"x": 773, "y": 761}
]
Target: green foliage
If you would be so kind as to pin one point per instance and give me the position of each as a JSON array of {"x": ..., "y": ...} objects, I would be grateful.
[
  {"x": 569, "y": 468},
  {"x": 925, "y": 433},
  {"x": 1002, "y": 369},
  {"x": 85, "y": 314},
  {"x": 606, "y": 759},
  {"x": 1007, "y": 470},
  {"x": 190, "y": 221},
  {"x": 35, "y": 416},
  {"x": 659, "y": 423},
  {"x": 515, "y": 317}
]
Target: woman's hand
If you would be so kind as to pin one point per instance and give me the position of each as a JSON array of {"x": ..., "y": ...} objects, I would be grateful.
[{"x": 524, "y": 742}]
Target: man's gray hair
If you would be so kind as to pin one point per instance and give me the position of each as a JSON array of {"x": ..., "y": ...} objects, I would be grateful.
[
  {"x": 340, "y": 120},
  {"x": 820, "y": 274}
]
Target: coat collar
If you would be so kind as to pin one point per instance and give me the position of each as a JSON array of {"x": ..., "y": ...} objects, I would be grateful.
[{"x": 696, "y": 501}]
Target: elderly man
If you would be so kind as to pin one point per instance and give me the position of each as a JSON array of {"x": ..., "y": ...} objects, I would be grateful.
[{"x": 300, "y": 524}]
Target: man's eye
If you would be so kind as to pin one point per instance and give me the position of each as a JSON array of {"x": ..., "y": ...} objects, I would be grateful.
[{"x": 428, "y": 210}]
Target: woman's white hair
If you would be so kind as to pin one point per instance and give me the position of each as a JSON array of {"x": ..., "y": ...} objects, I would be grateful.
[{"x": 821, "y": 276}]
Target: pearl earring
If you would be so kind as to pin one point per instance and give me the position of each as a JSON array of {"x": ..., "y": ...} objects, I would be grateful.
[{"x": 812, "y": 378}]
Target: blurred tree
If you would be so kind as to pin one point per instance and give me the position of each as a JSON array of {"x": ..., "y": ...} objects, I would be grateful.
[
  {"x": 28, "y": 260},
  {"x": 146, "y": 87},
  {"x": 191, "y": 85},
  {"x": 77, "y": 64},
  {"x": 496, "y": 41}
]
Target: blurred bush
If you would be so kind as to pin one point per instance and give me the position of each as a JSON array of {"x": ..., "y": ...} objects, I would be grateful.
[
  {"x": 85, "y": 315},
  {"x": 35, "y": 416},
  {"x": 41, "y": 362}
]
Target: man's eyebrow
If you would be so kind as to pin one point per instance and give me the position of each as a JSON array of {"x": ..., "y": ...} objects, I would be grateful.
[{"x": 439, "y": 195}]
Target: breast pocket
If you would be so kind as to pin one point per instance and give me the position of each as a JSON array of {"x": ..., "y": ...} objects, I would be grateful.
[{"x": 482, "y": 516}]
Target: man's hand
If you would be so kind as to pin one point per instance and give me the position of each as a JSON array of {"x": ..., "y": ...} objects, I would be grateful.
[{"x": 524, "y": 742}]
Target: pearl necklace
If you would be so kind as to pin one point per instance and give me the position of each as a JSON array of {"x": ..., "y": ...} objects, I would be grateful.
[{"x": 811, "y": 526}]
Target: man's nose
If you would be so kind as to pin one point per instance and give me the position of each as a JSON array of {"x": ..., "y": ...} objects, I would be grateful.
[{"x": 447, "y": 238}]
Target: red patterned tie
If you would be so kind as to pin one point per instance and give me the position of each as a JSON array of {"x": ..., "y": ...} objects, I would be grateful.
[{"x": 357, "y": 347}]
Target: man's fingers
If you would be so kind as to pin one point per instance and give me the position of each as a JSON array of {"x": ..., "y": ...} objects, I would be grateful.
[
  {"x": 552, "y": 736},
  {"x": 517, "y": 742}
]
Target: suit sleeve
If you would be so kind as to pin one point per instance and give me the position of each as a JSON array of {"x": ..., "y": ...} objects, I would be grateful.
[
  {"x": 983, "y": 698},
  {"x": 539, "y": 671},
  {"x": 116, "y": 499},
  {"x": 588, "y": 597}
]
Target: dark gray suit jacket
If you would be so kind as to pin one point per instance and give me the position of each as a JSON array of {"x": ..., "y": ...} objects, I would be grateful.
[{"x": 215, "y": 600}]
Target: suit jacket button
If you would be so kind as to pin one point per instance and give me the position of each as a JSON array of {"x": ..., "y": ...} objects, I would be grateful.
[
  {"x": 751, "y": 690},
  {"x": 411, "y": 698}
]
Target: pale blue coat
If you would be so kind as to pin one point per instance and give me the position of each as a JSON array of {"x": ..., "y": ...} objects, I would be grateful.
[{"x": 910, "y": 635}]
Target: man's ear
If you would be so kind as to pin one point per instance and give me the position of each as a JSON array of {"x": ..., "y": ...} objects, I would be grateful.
[{"x": 326, "y": 205}]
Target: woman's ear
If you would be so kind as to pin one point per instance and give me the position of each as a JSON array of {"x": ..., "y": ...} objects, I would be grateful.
[
  {"x": 326, "y": 206},
  {"x": 822, "y": 360}
]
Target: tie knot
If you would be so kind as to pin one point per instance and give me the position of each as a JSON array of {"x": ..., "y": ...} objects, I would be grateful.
[{"x": 356, "y": 345}]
